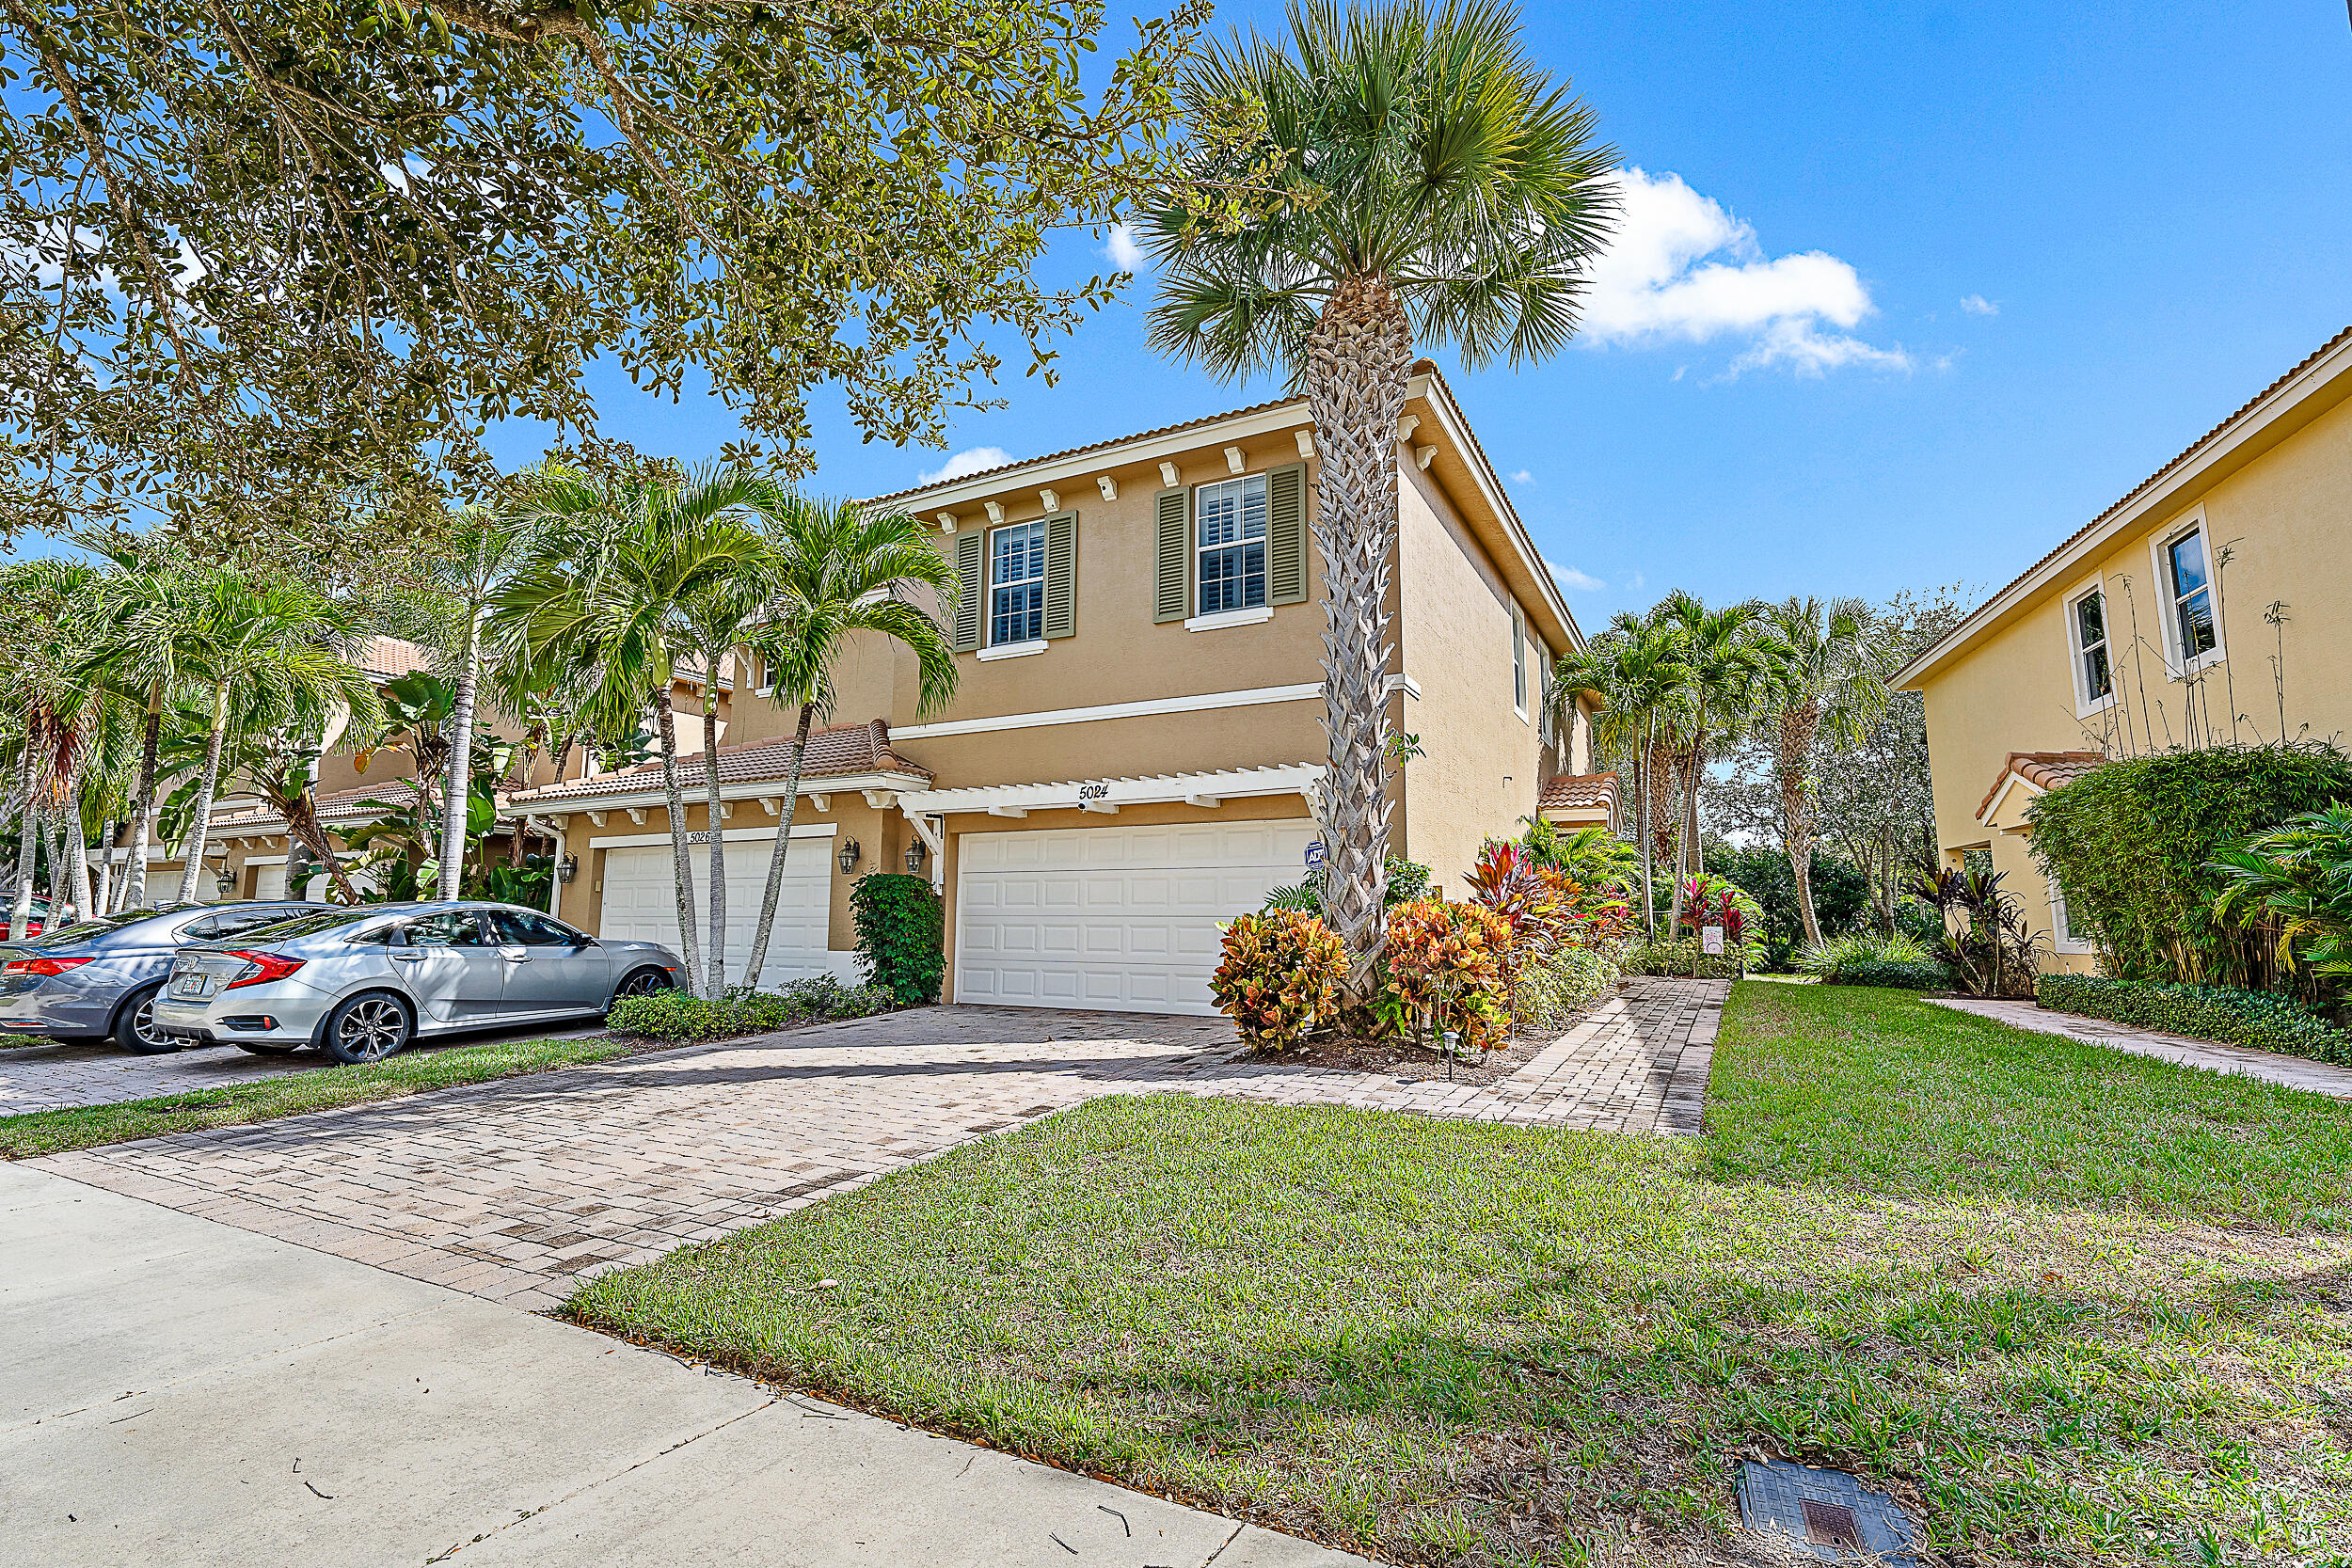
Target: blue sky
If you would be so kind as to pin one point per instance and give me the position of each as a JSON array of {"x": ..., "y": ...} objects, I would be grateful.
[{"x": 1906, "y": 294}]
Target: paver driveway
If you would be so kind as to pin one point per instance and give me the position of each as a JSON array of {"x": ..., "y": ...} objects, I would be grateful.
[{"x": 509, "y": 1190}]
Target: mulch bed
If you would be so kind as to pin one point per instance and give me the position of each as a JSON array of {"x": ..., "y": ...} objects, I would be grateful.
[{"x": 1401, "y": 1059}]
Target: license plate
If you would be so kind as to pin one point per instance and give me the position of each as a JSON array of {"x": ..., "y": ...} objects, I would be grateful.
[{"x": 192, "y": 985}]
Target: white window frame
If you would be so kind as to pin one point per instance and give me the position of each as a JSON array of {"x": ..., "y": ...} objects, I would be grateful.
[
  {"x": 2084, "y": 703},
  {"x": 1243, "y": 615},
  {"x": 1017, "y": 646},
  {"x": 1518, "y": 660},
  {"x": 2176, "y": 659},
  {"x": 2059, "y": 940}
]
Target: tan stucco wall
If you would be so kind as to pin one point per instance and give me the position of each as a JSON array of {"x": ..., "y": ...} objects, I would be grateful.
[{"x": 2284, "y": 512}]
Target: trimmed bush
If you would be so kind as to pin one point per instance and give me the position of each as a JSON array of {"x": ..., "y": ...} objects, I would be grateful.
[
  {"x": 1446, "y": 974},
  {"x": 2262, "y": 1019},
  {"x": 676, "y": 1015},
  {"x": 1681, "y": 958},
  {"x": 1556, "y": 988},
  {"x": 2129, "y": 843},
  {"x": 1894, "y": 974},
  {"x": 1279, "y": 979},
  {"x": 900, "y": 939}
]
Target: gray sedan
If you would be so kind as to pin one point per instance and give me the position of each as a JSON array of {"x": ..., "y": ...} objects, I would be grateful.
[
  {"x": 96, "y": 978},
  {"x": 360, "y": 983}
]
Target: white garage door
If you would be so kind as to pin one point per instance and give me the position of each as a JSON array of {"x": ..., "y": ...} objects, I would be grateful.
[
  {"x": 640, "y": 902},
  {"x": 269, "y": 881},
  {"x": 1120, "y": 918}
]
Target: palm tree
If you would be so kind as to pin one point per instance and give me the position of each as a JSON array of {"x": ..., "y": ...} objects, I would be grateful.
[
  {"x": 843, "y": 571},
  {"x": 1830, "y": 682},
  {"x": 1632, "y": 671},
  {"x": 616, "y": 591},
  {"x": 265, "y": 652},
  {"x": 1727, "y": 666},
  {"x": 47, "y": 625},
  {"x": 1433, "y": 186}
]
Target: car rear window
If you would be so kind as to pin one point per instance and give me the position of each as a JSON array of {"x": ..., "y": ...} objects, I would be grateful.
[
  {"x": 82, "y": 930},
  {"x": 314, "y": 924}
]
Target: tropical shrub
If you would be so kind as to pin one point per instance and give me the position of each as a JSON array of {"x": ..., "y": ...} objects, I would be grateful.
[
  {"x": 1446, "y": 972},
  {"x": 1712, "y": 900},
  {"x": 2131, "y": 842},
  {"x": 1592, "y": 855},
  {"x": 1867, "y": 959},
  {"x": 1987, "y": 946},
  {"x": 1841, "y": 893},
  {"x": 2295, "y": 880},
  {"x": 677, "y": 1015},
  {"x": 1564, "y": 983},
  {"x": 822, "y": 996},
  {"x": 900, "y": 935},
  {"x": 2262, "y": 1019},
  {"x": 1279, "y": 979},
  {"x": 1407, "y": 881},
  {"x": 1687, "y": 958}
]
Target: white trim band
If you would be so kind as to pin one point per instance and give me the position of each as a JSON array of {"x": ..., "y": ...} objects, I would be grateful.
[
  {"x": 1201, "y": 702},
  {"x": 732, "y": 835},
  {"x": 1296, "y": 778}
]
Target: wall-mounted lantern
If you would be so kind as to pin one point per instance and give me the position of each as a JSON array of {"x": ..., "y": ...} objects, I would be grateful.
[
  {"x": 567, "y": 868},
  {"x": 849, "y": 857},
  {"x": 915, "y": 853}
]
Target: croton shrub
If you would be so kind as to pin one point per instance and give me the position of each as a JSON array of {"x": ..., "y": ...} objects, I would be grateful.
[
  {"x": 1279, "y": 979},
  {"x": 1447, "y": 973}
]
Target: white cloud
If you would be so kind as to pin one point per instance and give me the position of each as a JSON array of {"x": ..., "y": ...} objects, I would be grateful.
[
  {"x": 1682, "y": 268},
  {"x": 972, "y": 460},
  {"x": 1522, "y": 477},
  {"x": 1976, "y": 305},
  {"x": 1125, "y": 253},
  {"x": 1568, "y": 576}
]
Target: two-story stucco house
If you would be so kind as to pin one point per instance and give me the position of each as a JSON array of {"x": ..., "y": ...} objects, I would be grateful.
[
  {"x": 1124, "y": 765},
  {"x": 2211, "y": 605}
]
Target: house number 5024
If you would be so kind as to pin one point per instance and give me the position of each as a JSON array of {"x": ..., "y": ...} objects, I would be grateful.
[{"x": 1093, "y": 792}]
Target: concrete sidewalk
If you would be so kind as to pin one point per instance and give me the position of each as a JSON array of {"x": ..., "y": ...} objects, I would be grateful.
[{"x": 181, "y": 1392}]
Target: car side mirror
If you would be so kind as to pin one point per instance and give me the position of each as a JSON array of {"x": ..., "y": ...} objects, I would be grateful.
[{"x": 582, "y": 939}]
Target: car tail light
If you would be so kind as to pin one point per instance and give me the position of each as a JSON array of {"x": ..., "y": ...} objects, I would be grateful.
[
  {"x": 40, "y": 966},
  {"x": 266, "y": 967}
]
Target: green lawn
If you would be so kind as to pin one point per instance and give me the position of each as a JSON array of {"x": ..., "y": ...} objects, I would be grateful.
[
  {"x": 322, "y": 1089},
  {"x": 2076, "y": 1307}
]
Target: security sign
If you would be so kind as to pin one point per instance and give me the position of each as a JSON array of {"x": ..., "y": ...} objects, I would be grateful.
[{"x": 1712, "y": 939}]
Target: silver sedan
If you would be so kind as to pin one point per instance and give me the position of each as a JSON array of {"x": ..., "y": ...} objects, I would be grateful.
[{"x": 360, "y": 983}]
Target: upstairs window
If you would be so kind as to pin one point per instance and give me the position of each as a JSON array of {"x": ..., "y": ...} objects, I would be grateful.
[
  {"x": 2191, "y": 592},
  {"x": 2094, "y": 676},
  {"x": 1229, "y": 544},
  {"x": 1016, "y": 579},
  {"x": 1519, "y": 661}
]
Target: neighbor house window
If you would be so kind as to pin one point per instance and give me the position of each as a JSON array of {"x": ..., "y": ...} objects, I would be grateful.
[
  {"x": 1229, "y": 541},
  {"x": 2187, "y": 578},
  {"x": 1519, "y": 661},
  {"x": 2067, "y": 933},
  {"x": 1016, "y": 583},
  {"x": 2087, "y": 619}
]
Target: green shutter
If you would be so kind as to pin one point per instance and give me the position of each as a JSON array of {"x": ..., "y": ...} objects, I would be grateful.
[
  {"x": 1286, "y": 535},
  {"x": 968, "y": 553},
  {"x": 1061, "y": 574},
  {"x": 1171, "y": 584}
]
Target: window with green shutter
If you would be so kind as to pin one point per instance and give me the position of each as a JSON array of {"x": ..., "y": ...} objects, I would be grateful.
[
  {"x": 1061, "y": 574},
  {"x": 968, "y": 554},
  {"x": 1286, "y": 535},
  {"x": 1171, "y": 584}
]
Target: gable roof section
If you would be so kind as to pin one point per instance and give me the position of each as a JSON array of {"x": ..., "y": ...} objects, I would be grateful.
[
  {"x": 2319, "y": 369},
  {"x": 843, "y": 750},
  {"x": 2044, "y": 770}
]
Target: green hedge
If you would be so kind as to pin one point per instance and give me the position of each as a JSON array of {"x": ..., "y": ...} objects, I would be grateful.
[
  {"x": 1678, "y": 957},
  {"x": 900, "y": 935},
  {"x": 2257, "y": 1018},
  {"x": 1894, "y": 974},
  {"x": 676, "y": 1015}
]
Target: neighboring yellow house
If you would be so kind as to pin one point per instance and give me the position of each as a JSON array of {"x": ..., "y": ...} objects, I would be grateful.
[
  {"x": 2208, "y": 606},
  {"x": 1126, "y": 765}
]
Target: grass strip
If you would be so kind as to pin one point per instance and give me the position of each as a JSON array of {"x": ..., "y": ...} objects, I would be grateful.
[
  {"x": 1447, "y": 1343},
  {"x": 323, "y": 1089}
]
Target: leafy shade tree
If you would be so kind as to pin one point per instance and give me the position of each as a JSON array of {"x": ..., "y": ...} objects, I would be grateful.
[
  {"x": 1434, "y": 187},
  {"x": 844, "y": 573},
  {"x": 1829, "y": 685},
  {"x": 267, "y": 653},
  {"x": 617, "y": 591},
  {"x": 1632, "y": 671}
]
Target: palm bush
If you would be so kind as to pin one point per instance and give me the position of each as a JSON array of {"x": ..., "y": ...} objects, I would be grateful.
[
  {"x": 1824, "y": 957},
  {"x": 2295, "y": 880}
]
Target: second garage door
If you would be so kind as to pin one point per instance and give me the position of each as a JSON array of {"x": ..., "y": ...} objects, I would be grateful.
[
  {"x": 641, "y": 903},
  {"x": 1115, "y": 918}
]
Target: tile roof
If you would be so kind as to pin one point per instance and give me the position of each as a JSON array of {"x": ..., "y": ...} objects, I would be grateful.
[
  {"x": 1092, "y": 446},
  {"x": 343, "y": 805},
  {"x": 1580, "y": 792},
  {"x": 1984, "y": 611},
  {"x": 2044, "y": 770},
  {"x": 387, "y": 658},
  {"x": 844, "y": 749}
]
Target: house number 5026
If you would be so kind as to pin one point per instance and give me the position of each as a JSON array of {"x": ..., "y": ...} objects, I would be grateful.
[{"x": 1093, "y": 792}]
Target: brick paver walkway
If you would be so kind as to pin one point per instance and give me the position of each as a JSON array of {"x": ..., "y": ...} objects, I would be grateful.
[
  {"x": 2293, "y": 1071},
  {"x": 510, "y": 1190}
]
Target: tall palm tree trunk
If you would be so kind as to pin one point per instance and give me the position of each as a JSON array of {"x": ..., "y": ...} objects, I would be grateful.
[
  {"x": 27, "y": 836},
  {"x": 459, "y": 786},
  {"x": 1358, "y": 366},
  {"x": 774, "y": 890},
  {"x": 77, "y": 850},
  {"x": 143, "y": 803},
  {"x": 200, "y": 818},
  {"x": 1794, "y": 759},
  {"x": 682, "y": 865},
  {"x": 718, "y": 839}
]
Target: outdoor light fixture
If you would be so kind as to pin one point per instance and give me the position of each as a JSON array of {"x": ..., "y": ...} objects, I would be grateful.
[
  {"x": 567, "y": 868},
  {"x": 849, "y": 857},
  {"x": 226, "y": 878},
  {"x": 914, "y": 858}
]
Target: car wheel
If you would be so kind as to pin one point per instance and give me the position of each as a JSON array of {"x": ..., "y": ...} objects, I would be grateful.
[
  {"x": 368, "y": 1028},
  {"x": 642, "y": 982},
  {"x": 135, "y": 1024}
]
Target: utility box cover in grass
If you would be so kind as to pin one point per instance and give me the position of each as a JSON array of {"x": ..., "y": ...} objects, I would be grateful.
[{"x": 1825, "y": 1514}]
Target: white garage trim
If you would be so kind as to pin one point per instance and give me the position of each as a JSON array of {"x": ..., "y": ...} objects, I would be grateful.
[
  {"x": 1125, "y": 919},
  {"x": 1296, "y": 778},
  {"x": 700, "y": 839}
]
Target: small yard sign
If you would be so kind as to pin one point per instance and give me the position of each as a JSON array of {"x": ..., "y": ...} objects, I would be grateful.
[
  {"x": 1712, "y": 939},
  {"x": 1314, "y": 854}
]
